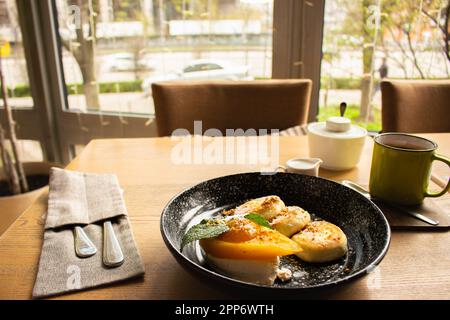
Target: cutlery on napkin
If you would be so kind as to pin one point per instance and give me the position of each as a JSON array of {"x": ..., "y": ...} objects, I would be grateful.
[
  {"x": 85, "y": 212},
  {"x": 112, "y": 253}
]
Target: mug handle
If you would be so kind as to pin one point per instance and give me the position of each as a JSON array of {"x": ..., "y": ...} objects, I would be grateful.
[{"x": 447, "y": 187}]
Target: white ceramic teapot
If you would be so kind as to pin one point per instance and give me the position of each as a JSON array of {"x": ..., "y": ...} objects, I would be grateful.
[{"x": 337, "y": 142}]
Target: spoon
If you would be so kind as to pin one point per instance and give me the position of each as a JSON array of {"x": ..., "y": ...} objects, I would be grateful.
[
  {"x": 365, "y": 193},
  {"x": 342, "y": 108}
]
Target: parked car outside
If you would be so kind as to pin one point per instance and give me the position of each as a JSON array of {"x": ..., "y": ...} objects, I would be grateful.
[{"x": 201, "y": 70}]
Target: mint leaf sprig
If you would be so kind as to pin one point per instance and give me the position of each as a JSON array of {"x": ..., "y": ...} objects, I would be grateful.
[
  {"x": 258, "y": 219},
  {"x": 214, "y": 227},
  {"x": 203, "y": 230}
]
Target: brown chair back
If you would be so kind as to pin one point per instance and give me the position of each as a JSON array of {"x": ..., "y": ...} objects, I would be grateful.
[
  {"x": 415, "y": 106},
  {"x": 261, "y": 104}
]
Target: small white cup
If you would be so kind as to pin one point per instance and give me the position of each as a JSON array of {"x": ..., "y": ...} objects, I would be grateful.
[{"x": 308, "y": 166}]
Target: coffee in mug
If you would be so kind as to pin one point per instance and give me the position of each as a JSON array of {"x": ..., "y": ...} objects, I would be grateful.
[{"x": 401, "y": 168}]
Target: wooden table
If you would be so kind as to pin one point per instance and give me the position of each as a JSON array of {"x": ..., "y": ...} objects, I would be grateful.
[{"x": 417, "y": 265}]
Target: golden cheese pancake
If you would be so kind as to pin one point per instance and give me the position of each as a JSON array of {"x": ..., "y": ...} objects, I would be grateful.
[
  {"x": 267, "y": 207},
  {"x": 248, "y": 251},
  {"x": 290, "y": 221},
  {"x": 247, "y": 240},
  {"x": 321, "y": 241}
]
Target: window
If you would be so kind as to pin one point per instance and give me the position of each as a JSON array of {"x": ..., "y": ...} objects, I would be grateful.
[
  {"x": 366, "y": 41},
  {"x": 17, "y": 83},
  {"x": 112, "y": 51},
  {"x": 13, "y": 61},
  {"x": 92, "y": 62}
]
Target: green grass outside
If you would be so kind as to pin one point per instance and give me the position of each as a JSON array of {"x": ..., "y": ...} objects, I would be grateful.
[
  {"x": 349, "y": 83},
  {"x": 108, "y": 87},
  {"x": 340, "y": 83},
  {"x": 352, "y": 113},
  {"x": 23, "y": 90}
]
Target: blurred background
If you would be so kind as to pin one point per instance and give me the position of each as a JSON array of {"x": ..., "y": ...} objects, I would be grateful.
[{"x": 109, "y": 52}]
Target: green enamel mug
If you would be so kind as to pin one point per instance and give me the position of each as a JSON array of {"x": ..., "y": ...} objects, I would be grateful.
[{"x": 401, "y": 168}]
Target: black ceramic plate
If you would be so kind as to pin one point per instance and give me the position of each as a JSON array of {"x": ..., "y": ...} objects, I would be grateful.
[{"x": 364, "y": 224}]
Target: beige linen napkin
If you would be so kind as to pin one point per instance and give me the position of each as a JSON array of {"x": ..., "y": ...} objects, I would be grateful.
[{"x": 83, "y": 199}]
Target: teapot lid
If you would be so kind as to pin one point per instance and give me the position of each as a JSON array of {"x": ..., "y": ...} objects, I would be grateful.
[
  {"x": 338, "y": 124},
  {"x": 337, "y": 127}
]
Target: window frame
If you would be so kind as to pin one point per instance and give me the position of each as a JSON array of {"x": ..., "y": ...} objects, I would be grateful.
[
  {"x": 297, "y": 44},
  {"x": 296, "y": 24},
  {"x": 72, "y": 127}
]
